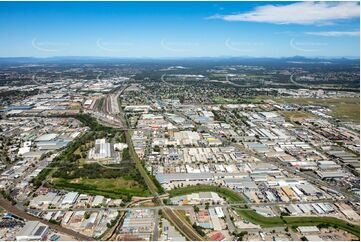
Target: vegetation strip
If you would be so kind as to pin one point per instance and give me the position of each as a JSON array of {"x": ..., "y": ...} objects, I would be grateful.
[
  {"x": 256, "y": 218},
  {"x": 150, "y": 182}
]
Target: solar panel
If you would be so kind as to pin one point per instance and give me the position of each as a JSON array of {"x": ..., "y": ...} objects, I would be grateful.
[{"x": 40, "y": 230}]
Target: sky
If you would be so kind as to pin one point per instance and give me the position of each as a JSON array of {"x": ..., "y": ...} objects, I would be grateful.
[{"x": 180, "y": 29}]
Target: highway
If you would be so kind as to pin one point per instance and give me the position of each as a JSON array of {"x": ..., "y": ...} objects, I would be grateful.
[
  {"x": 296, "y": 83},
  {"x": 167, "y": 83}
]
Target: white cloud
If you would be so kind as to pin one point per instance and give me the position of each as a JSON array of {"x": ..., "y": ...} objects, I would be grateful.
[
  {"x": 298, "y": 13},
  {"x": 334, "y": 33}
]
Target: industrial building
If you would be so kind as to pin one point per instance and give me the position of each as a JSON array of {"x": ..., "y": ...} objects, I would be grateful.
[{"x": 33, "y": 230}]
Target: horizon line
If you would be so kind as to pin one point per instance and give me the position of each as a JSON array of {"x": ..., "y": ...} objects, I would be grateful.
[{"x": 180, "y": 57}]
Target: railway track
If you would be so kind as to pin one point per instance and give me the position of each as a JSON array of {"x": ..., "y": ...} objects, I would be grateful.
[
  {"x": 22, "y": 214},
  {"x": 183, "y": 226}
]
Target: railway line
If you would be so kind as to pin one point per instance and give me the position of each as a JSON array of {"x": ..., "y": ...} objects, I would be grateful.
[
  {"x": 183, "y": 226},
  {"x": 5, "y": 204}
]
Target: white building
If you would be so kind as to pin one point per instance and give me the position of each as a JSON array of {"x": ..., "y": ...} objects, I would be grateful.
[
  {"x": 70, "y": 198},
  {"x": 33, "y": 230},
  {"x": 102, "y": 150},
  {"x": 98, "y": 200}
]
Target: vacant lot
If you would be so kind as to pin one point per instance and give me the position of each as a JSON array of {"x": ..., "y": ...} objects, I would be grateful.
[
  {"x": 296, "y": 115},
  {"x": 108, "y": 187},
  {"x": 343, "y": 108}
]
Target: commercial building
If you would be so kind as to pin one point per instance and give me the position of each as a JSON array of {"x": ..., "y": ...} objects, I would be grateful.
[
  {"x": 70, "y": 198},
  {"x": 101, "y": 150},
  {"x": 33, "y": 230}
]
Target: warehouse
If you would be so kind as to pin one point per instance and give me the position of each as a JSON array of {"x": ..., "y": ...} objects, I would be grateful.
[
  {"x": 47, "y": 199},
  {"x": 308, "y": 229},
  {"x": 174, "y": 177},
  {"x": 331, "y": 174},
  {"x": 306, "y": 208},
  {"x": 309, "y": 189},
  {"x": 240, "y": 183},
  {"x": 46, "y": 137},
  {"x": 290, "y": 194},
  {"x": 70, "y": 198},
  {"x": 33, "y": 230},
  {"x": 317, "y": 208},
  {"x": 293, "y": 209}
]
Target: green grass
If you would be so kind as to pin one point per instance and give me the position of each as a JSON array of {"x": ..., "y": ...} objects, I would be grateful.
[
  {"x": 230, "y": 195},
  {"x": 343, "y": 108},
  {"x": 307, "y": 221},
  {"x": 256, "y": 218},
  {"x": 222, "y": 100},
  {"x": 292, "y": 115},
  {"x": 112, "y": 188}
]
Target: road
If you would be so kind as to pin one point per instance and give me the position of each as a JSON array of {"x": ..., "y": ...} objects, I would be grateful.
[
  {"x": 183, "y": 226},
  {"x": 229, "y": 222},
  {"x": 156, "y": 226},
  {"x": 5, "y": 204},
  {"x": 296, "y": 83},
  {"x": 167, "y": 83}
]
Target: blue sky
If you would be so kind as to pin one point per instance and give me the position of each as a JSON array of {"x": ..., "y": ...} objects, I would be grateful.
[{"x": 179, "y": 29}]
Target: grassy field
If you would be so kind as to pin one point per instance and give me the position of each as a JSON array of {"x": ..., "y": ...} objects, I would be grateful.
[
  {"x": 109, "y": 187},
  {"x": 225, "y": 192},
  {"x": 256, "y": 218},
  {"x": 296, "y": 115},
  {"x": 222, "y": 100},
  {"x": 344, "y": 108}
]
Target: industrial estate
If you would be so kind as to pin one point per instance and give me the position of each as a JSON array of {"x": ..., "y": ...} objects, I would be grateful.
[
  {"x": 189, "y": 152},
  {"x": 180, "y": 121}
]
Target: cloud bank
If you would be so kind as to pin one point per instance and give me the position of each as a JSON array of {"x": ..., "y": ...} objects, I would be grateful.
[
  {"x": 321, "y": 13},
  {"x": 334, "y": 33}
]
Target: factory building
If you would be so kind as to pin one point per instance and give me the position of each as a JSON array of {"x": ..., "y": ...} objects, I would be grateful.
[{"x": 33, "y": 230}]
